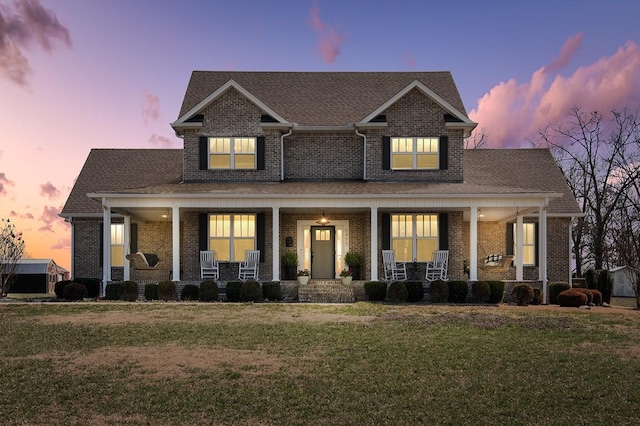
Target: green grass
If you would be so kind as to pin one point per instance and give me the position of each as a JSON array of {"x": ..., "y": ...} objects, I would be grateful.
[{"x": 273, "y": 364}]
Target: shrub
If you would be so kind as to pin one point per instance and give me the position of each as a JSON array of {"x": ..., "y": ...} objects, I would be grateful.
[
  {"x": 376, "y": 291},
  {"x": 497, "y": 291},
  {"x": 597, "y": 297},
  {"x": 572, "y": 298},
  {"x": 190, "y": 292},
  {"x": 537, "y": 297},
  {"x": 458, "y": 291},
  {"x": 151, "y": 292},
  {"x": 128, "y": 291},
  {"x": 555, "y": 289},
  {"x": 439, "y": 291},
  {"x": 233, "y": 291},
  {"x": 415, "y": 291},
  {"x": 250, "y": 291},
  {"x": 481, "y": 291},
  {"x": 271, "y": 290},
  {"x": 522, "y": 294},
  {"x": 74, "y": 291},
  {"x": 58, "y": 289},
  {"x": 112, "y": 291},
  {"x": 397, "y": 292},
  {"x": 92, "y": 285},
  {"x": 586, "y": 292},
  {"x": 208, "y": 291},
  {"x": 166, "y": 290}
]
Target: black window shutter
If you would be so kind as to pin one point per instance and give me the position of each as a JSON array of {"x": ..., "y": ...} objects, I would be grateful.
[
  {"x": 444, "y": 152},
  {"x": 260, "y": 236},
  {"x": 133, "y": 238},
  {"x": 203, "y": 231},
  {"x": 260, "y": 153},
  {"x": 101, "y": 244},
  {"x": 204, "y": 153},
  {"x": 443, "y": 231},
  {"x": 385, "y": 222},
  {"x": 510, "y": 250},
  {"x": 535, "y": 247},
  {"x": 386, "y": 154}
]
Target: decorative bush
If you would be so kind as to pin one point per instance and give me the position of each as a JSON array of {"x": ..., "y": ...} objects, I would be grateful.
[
  {"x": 271, "y": 290},
  {"x": 481, "y": 291},
  {"x": 555, "y": 289},
  {"x": 128, "y": 291},
  {"x": 415, "y": 291},
  {"x": 233, "y": 291},
  {"x": 376, "y": 291},
  {"x": 586, "y": 292},
  {"x": 190, "y": 292},
  {"x": 166, "y": 290},
  {"x": 458, "y": 291},
  {"x": 439, "y": 291},
  {"x": 250, "y": 291},
  {"x": 208, "y": 291},
  {"x": 74, "y": 291},
  {"x": 151, "y": 292},
  {"x": 497, "y": 291},
  {"x": 397, "y": 292},
  {"x": 522, "y": 294},
  {"x": 92, "y": 285},
  {"x": 537, "y": 297},
  {"x": 58, "y": 289},
  {"x": 572, "y": 298},
  {"x": 597, "y": 297},
  {"x": 112, "y": 291}
]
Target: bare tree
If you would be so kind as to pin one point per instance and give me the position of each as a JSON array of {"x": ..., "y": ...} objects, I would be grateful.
[
  {"x": 477, "y": 139},
  {"x": 11, "y": 251}
]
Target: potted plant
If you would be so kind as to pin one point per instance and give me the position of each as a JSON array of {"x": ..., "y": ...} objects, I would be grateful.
[
  {"x": 303, "y": 276},
  {"x": 346, "y": 277},
  {"x": 289, "y": 265},
  {"x": 353, "y": 261}
]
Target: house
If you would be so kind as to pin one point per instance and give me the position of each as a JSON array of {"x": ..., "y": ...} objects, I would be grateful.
[
  {"x": 267, "y": 154},
  {"x": 37, "y": 276},
  {"x": 624, "y": 281}
]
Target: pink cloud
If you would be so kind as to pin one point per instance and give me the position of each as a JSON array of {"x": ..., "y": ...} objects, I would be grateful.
[
  {"x": 22, "y": 26},
  {"x": 62, "y": 244},
  {"x": 49, "y": 217},
  {"x": 49, "y": 191},
  {"x": 13, "y": 213},
  {"x": 4, "y": 182},
  {"x": 513, "y": 112},
  {"x": 160, "y": 141},
  {"x": 150, "y": 107},
  {"x": 566, "y": 53},
  {"x": 329, "y": 41}
]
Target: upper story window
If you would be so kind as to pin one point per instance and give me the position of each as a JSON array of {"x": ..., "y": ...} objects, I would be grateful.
[
  {"x": 230, "y": 235},
  {"x": 414, "y": 236},
  {"x": 414, "y": 153},
  {"x": 232, "y": 153}
]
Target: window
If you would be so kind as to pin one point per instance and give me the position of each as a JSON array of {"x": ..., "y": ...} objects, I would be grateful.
[
  {"x": 117, "y": 244},
  {"x": 414, "y": 153},
  {"x": 528, "y": 243},
  {"x": 414, "y": 236},
  {"x": 230, "y": 235},
  {"x": 232, "y": 153}
]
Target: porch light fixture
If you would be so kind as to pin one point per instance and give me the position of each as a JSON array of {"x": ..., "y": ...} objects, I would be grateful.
[
  {"x": 480, "y": 214},
  {"x": 323, "y": 220}
]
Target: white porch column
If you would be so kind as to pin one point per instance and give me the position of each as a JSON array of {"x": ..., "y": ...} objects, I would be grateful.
[
  {"x": 542, "y": 251},
  {"x": 127, "y": 246},
  {"x": 175, "y": 243},
  {"x": 519, "y": 268},
  {"x": 106, "y": 245},
  {"x": 374, "y": 243},
  {"x": 275, "y": 241},
  {"x": 473, "y": 244}
]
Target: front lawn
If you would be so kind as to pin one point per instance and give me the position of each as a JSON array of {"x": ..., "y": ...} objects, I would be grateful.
[{"x": 276, "y": 364}]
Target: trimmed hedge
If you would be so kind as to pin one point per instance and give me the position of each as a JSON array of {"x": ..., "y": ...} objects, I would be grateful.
[
  {"x": 250, "y": 291},
  {"x": 92, "y": 285},
  {"x": 190, "y": 292},
  {"x": 208, "y": 291},
  {"x": 128, "y": 291},
  {"x": 537, "y": 297},
  {"x": 600, "y": 280},
  {"x": 497, "y": 291},
  {"x": 481, "y": 291},
  {"x": 58, "y": 288},
  {"x": 166, "y": 290},
  {"x": 112, "y": 291},
  {"x": 522, "y": 294},
  {"x": 439, "y": 291},
  {"x": 376, "y": 291},
  {"x": 151, "y": 292},
  {"x": 586, "y": 292},
  {"x": 271, "y": 290},
  {"x": 572, "y": 298},
  {"x": 74, "y": 291},
  {"x": 397, "y": 292},
  {"x": 458, "y": 291},
  {"x": 415, "y": 291},
  {"x": 555, "y": 289},
  {"x": 233, "y": 291}
]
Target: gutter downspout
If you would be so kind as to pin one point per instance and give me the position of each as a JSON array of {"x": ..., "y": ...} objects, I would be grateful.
[
  {"x": 364, "y": 142},
  {"x": 284, "y": 135}
]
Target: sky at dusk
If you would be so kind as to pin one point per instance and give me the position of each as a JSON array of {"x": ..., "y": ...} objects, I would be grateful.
[{"x": 82, "y": 74}]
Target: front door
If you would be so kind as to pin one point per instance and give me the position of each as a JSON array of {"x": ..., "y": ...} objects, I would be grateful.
[{"x": 323, "y": 252}]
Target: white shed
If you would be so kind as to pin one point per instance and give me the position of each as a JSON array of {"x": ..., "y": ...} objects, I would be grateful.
[{"x": 624, "y": 279}]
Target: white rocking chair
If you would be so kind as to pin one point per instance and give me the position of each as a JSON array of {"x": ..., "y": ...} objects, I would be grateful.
[
  {"x": 209, "y": 265},
  {"x": 393, "y": 271},
  {"x": 249, "y": 268},
  {"x": 437, "y": 270}
]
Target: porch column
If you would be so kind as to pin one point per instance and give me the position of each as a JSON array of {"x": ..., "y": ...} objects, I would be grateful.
[
  {"x": 542, "y": 251},
  {"x": 519, "y": 268},
  {"x": 175, "y": 243},
  {"x": 374, "y": 244},
  {"x": 473, "y": 244},
  {"x": 106, "y": 246},
  {"x": 127, "y": 246},
  {"x": 275, "y": 241}
]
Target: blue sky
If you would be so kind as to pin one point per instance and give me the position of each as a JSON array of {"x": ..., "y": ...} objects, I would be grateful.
[{"x": 79, "y": 74}]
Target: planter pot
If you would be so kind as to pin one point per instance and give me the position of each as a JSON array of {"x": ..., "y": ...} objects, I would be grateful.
[
  {"x": 346, "y": 280},
  {"x": 303, "y": 279}
]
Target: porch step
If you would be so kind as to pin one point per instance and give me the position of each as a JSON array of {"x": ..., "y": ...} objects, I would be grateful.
[{"x": 326, "y": 291}]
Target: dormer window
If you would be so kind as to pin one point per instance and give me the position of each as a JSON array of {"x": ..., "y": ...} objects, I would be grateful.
[
  {"x": 232, "y": 153},
  {"x": 414, "y": 153}
]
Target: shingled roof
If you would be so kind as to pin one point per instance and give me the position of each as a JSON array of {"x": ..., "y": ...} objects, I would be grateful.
[{"x": 321, "y": 98}]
